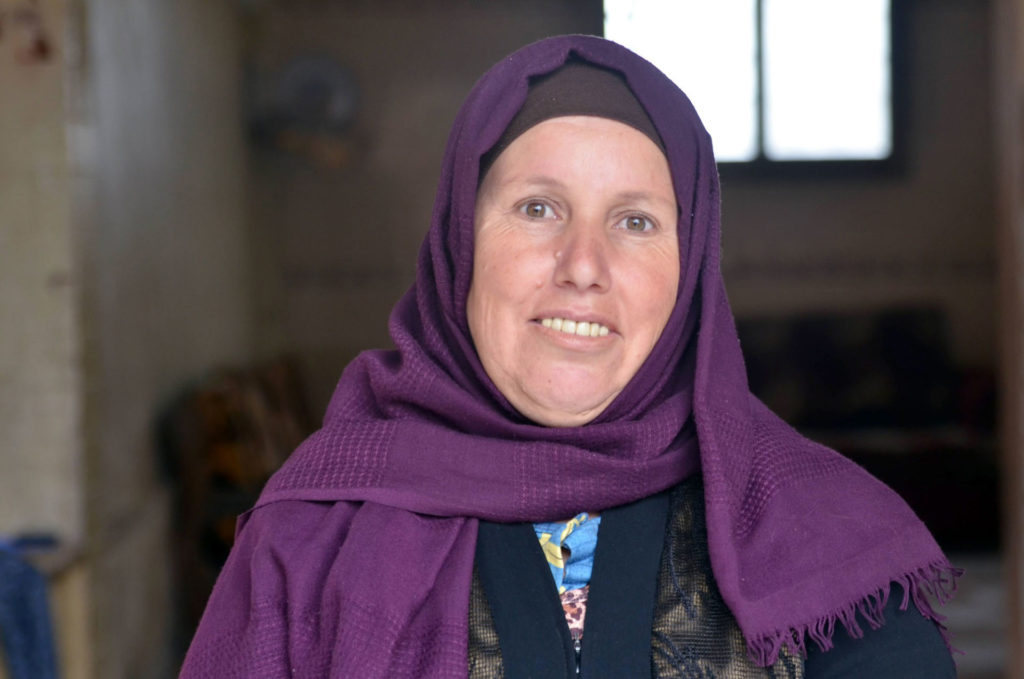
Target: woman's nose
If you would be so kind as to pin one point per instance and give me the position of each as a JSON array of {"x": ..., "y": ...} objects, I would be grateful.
[{"x": 582, "y": 258}]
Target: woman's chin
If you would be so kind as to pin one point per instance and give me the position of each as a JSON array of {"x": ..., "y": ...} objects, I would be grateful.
[{"x": 564, "y": 408}]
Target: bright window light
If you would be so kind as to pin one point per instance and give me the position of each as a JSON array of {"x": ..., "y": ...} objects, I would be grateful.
[
  {"x": 824, "y": 67},
  {"x": 826, "y": 79},
  {"x": 684, "y": 39}
]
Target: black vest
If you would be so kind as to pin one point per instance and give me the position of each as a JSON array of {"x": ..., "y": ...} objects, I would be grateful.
[{"x": 653, "y": 609}]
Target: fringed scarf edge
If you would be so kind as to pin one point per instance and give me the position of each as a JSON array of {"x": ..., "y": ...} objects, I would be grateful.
[{"x": 937, "y": 580}]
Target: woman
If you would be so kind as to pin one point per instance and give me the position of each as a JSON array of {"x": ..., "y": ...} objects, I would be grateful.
[{"x": 567, "y": 356}]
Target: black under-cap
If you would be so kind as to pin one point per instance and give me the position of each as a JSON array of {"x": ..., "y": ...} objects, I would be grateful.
[{"x": 578, "y": 88}]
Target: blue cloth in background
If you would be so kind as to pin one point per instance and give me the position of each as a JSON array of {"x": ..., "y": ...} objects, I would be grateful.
[{"x": 26, "y": 633}]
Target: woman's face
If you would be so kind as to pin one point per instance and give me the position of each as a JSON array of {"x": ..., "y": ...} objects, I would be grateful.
[{"x": 576, "y": 265}]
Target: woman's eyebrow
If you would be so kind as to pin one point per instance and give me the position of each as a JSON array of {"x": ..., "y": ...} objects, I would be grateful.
[
  {"x": 544, "y": 181},
  {"x": 645, "y": 196},
  {"x": 554, "y": 182}
]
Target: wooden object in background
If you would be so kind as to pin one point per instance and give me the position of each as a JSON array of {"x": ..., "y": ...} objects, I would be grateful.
[{"x": 223, "y": 439}]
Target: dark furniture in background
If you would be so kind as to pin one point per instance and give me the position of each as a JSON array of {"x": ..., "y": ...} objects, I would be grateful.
[{"x": 880, "y": 387}]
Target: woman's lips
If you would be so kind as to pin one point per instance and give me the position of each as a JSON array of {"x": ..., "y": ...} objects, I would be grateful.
[{"x": 573, "y": 327}]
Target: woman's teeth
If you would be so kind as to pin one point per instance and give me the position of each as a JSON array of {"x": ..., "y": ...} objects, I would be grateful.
[{"x": 581, "y": 328}]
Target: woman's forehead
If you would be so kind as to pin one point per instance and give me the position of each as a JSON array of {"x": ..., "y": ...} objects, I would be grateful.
[{"x": 560, "y": 152}]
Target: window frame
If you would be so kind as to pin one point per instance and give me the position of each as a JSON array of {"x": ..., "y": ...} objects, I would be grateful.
[{"x": 895, "y": 163}]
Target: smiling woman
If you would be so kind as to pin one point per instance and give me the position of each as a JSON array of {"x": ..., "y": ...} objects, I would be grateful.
[
  {"x": 576, "y": 266},
  {"x": 560, "y": 471}
]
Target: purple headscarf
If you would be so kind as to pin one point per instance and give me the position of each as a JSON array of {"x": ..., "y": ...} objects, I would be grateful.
[{"x": 358, "y": 557}]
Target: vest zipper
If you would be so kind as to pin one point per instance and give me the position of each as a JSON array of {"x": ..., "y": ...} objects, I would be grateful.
[{"x": 577, "y": 644}]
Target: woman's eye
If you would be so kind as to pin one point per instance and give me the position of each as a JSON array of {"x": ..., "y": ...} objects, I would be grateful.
[
  {"x": 637, "y": 223},
  {"x": 537, "y": 210}
]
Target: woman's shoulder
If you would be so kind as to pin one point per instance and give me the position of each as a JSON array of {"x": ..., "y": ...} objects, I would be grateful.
[
  {"x": 293, "y": 521},
  {"x": 290, "y": 541},
  {"x": 267, "y": 598},
  {"x": 906, "y": 645}
]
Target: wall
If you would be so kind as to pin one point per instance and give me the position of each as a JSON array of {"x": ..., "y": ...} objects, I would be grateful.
[
  {"x": 40, "y": 414},
  {"x": 124, "y": 274},
  {"x": 342, "y": 242},
  {"x": 924, "y": 236},
  {"x": 165, "y": 255},
  {"x": 1008, "y": 51}
]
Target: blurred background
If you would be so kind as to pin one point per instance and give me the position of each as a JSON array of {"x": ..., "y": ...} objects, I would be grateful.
[{"x": 193, "y": 244}]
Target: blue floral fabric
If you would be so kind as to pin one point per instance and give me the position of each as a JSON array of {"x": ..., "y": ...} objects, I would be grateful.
[{"x": 578, "y": 536}]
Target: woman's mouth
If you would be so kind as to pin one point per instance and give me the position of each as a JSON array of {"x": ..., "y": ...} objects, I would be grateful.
[{"x": 579, "y": 328}]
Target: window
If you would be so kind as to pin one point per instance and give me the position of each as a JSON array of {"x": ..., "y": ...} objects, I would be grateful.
[{"x": 774, "y": 80}]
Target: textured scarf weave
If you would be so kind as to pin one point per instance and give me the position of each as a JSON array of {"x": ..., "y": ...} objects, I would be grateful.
[{"x": 417, "y": 444}]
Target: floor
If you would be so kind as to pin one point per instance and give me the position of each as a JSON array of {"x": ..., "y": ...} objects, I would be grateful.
[{"x": 977, "y": 617}]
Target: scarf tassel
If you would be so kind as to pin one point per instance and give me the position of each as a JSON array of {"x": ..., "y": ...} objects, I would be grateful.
[{"x": 936, "y": 581}]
